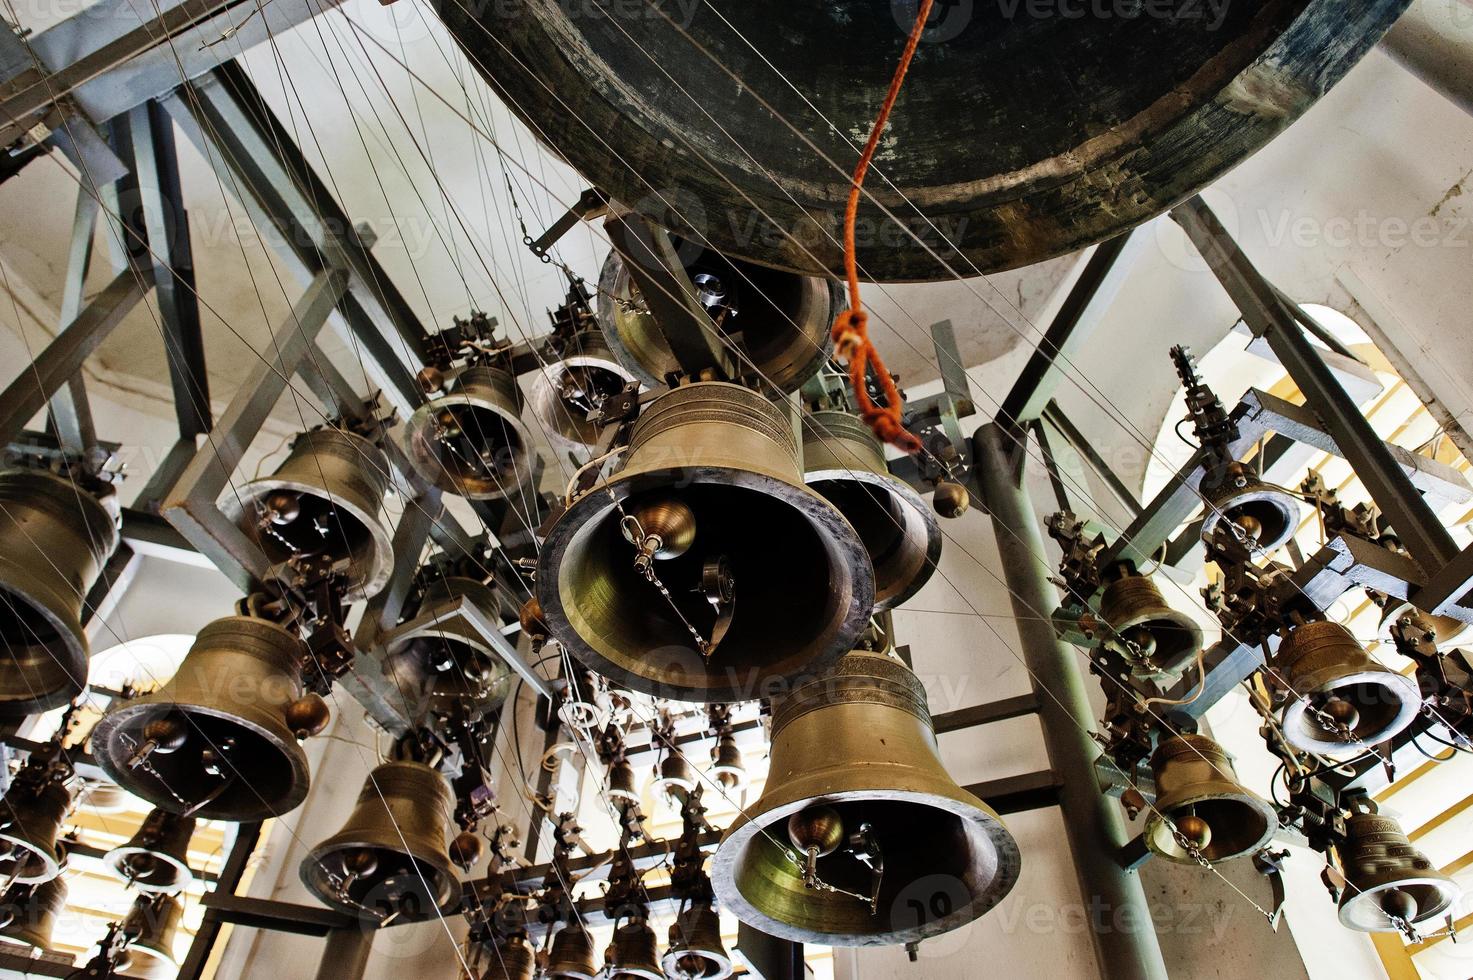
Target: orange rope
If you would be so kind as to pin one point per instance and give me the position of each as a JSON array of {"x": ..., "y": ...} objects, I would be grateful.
[{"x": 851, "y": 335}]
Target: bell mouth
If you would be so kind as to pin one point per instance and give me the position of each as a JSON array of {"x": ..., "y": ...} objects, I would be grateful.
[
  {"x": 148, "y": 871},
  {"x": 1384, "y": 703},
  {"x": 27, "y": 863},
  {"x": 1175, "y": 636},
  {"x": 471, "y": 447},
  {"x": 900, "y": 533},
  {"x": 1241, "y": 824},
  {"x": 266, "y": 776},
  {"x": 145, "y": 961},
  {"x": 803, "y": 586},
  {"x": 563, "y": 394},
  {"x": 414, "y": 888},
  {"x": 440, "y": 672},
  {"x": 1276, "y": 513},
  {"x": 946, "y": 862},
  {"x": 1363, "y": 910},
  {"x": 696, "y": 964},
  {"x": 43, "y": 658}
]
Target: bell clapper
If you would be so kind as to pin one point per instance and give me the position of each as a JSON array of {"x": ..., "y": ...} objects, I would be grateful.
[
  {"x": 162, "y": 735},
  {"x": 672, "y": 529},
  {"x": 1192, "y": 834},
  {"x": 818, "y": 831}
]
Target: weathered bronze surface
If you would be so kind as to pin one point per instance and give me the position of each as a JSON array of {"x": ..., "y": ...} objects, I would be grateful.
[
  {"x": 471, "y": 442},
  {"x": 1337, "y": 698},
  {"x": 1386, "y": 875},
  {"x": 1196, "y": 785}
]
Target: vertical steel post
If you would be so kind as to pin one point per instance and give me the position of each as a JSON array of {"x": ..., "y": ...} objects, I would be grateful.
[{"x": 1120, "y": 922}]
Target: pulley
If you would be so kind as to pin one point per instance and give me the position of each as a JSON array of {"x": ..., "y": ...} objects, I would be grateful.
[
  {"x": 215, "y": 741},
  {"x": 571, "y": 955},
  {"x": 54, "y": 538},
  {"x": 696, "y": 951},
  {"x": 634, "y": 953},
  {"x": 858, "y": 812},
  {"x": 1202, "y": 812},
  {"x": 704, "y": 570},
  {"x": 324, "y": 504},
  {"x": 1389, "y": 884},
  {"x": 150, "y": 926},
  {"x": 471, "y": 442},
  {"x": 1157, "y": 640},
  {"x": 1264, "y": 517},
  {"x": 511, "y": 958},
  {"x": 390, "y": 860},
  {"x": 566, "y": 392},
  {"x": 31, "y": 912},
  {"x": 844, "y": 461},
  {"x": 448, "y": 666},
  {"x": 31, "y": 815},
  {"x": 776, "y": 322},
  {"x": 1336, "y": 697},
  {"x": 156, "y": 858}
]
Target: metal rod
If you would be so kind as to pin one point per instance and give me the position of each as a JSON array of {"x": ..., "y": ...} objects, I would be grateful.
[
  {"x": 345, "y": 955},
  {"x": 1092, "y": 821},
  {"x": 247, "y": 835}
]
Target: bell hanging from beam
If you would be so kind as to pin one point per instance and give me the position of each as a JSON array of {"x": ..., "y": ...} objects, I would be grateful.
[
  {"x": 511, "y": 958},
  {"x": 1262, "y": 517},
  {"x": 634, "y": 953},
  {"x": 151, "y": 925},
  {"x": 567, "y": 391},
  {"x": 844, "y": 461},
  {"x": 571, "y": 954},
  {"x": 54, "y": 539},
  {"x": 704, "y": 570},
  {"x": 696, "y": 951},
  {"x": 857, "y": 814},
  {"x": 778, "y": 322},
  {"x": 156, "y": 859},
  {"x": 1201, "y": 809},
  {"x": 727, "y": 766},
  {"x": 31, "y": 815},
  {"x": 1155, "y": 639},
  {"x": 324, "y": 504},
  {"x": 1336, "y": 698},
  {"x": 215, "y": 740},
  {"x": 30, "y": 912},
  {"x": 449, "y": 667},
  {"x": 1390, "y": 885},
  {"x": 471, "y": 442},
  {"x": 390, "y": 860},
  {"x": 677, "y": 776}
]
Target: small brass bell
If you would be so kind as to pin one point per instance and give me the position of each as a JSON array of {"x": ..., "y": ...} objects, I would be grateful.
[
  {"x": 1265, "y": 517},
  {"x": 728, "y": 768},
  {"x": 214, "y": 741},
  {"x": 1157, "y": 640},
  {"x": 844, "y": 461},
  {"x": 323, "y": 503},
  {"x": 54, "y": 539},
  {"x": 778, "y": 321},
  {"x": 32, "y": 911},
  {"x": 390, "y": 860},
  {"x": 858, "y": 814},
  {"x": 448, "y": 666},
  {"x": 696, "y": 951},
  {"x": 1337, "y": 698},
  {"x": 472, "y": 442},
  {"x": 511, "y": 958},
  {"x": 586, "y": 705},
  {"x": 150, "y": 926},
  {"x": 677, "y": 778},
  {"x": 1200, "y": 805},
  {"x": 1388, "y": 879},
  {"x": 760, "y": 580},
  {"x": 571, "y": 955},
  {"x": 634, "y": 954},
  {"x": 156, "y": 859},
  {"x": 567, "y": 391},
  {"x": 622, "y": 782},
  {"x": 31, "y": 815}
]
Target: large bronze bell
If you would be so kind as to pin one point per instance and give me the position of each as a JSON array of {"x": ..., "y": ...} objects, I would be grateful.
[
  {"x": 860, "y": 837},
  {"x": 471, "y": 442},
  {"x": 54, "y": 538},
  {"x": 634, "y": 953},
  {"x": 571, "y": 955},
  {"x": 448, "y": 666},
  {"x": 1157, "y": 640},
  {"x": 156, "y": 859},
  {"x": 844, "y": 461},
  {"x": 511, "y": 958},
  {"x": 30, "y": 912},
  {"x": 323, "y": 503},
  {"x": 31, "y": 815},
  {"x": 214, "y": 741},
  {"x": 1264, "y": 515},
  {"x": 777, "y": 323},
  {"x": 1387, "y": 878},
  {"x": 391, "y": 858},
  {"x": 696, "y": 951},
  {"x": 1336, "y": 697},
  {"x": 1199, "y": 802},
  {"x": 762, "y": 573},
  {"x": 150, "y": 926},
  {"x": 567, "y": 391}
]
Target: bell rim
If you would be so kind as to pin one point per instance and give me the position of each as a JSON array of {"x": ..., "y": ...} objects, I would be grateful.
[
  {"x": 542, "y": 397},
  {"x": 71, "y": 642},
  {"x": 965, "y": 806},
  {"x": 724, "y": 965},
  {"x": 1284, "y": 503},
  {"x": 428, "y": 465},
  {"x": 114, "y": 858},
  {"x": 1291, "y": 718},
  {"x": 1157, "y": 821},
  {"x": 55, "y": 860},
  {"x": 1448, "y": 894},
  {"x": 595, "y": 504},
  {"x": 368, "y": 582},
  {"x": 290, "y": 749},
  {"x": 311, "y": 867}
]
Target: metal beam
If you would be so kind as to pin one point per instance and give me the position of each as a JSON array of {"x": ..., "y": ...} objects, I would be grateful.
[
  {"x": 1054, "y": 417},
  {"x": 464, "y": 609},
  {"x": 985, "y": 714},
  {"x": 1015, "y": 794},
  {"x": 247, "y": 836},
  {"x": 71, "y": 414}
]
